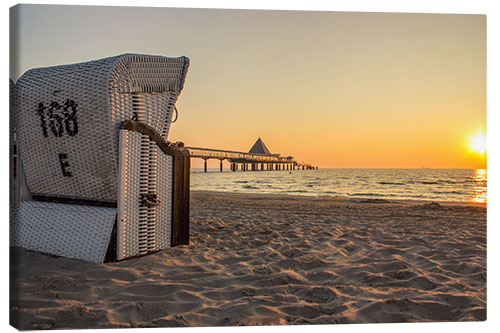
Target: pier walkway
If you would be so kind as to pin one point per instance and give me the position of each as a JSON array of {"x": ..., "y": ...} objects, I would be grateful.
[{"x": 259, "y": 158}]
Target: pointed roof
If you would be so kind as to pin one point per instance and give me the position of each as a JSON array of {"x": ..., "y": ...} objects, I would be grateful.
[{"x": 259, "y": 148}]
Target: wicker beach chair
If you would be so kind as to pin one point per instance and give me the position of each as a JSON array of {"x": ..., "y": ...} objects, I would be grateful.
[{"x": 100, "y": 181}]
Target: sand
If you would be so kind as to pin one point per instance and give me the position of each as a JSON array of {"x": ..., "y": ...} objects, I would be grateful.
[{"x": 273, "y": 260}]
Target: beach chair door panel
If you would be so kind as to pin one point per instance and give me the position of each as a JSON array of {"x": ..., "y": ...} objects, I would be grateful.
[{"x": 144, "y": 198}]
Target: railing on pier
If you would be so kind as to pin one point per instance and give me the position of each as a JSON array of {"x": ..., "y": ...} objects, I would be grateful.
[{"x": 206, "y": 153}]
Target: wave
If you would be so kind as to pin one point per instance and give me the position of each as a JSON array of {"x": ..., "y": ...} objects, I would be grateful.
[
  {"x": 251, "y": 187},
  {"x": 392, "y": 183},
  {"x": 455, "y": 182},
  {"x": 295, "y": 191},
  {"x": 371, "y": 195},
  {"x": 448, "y": 192}
]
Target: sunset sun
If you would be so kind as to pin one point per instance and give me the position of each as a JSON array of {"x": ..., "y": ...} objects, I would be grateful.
[{"x": 477, "y": 143}]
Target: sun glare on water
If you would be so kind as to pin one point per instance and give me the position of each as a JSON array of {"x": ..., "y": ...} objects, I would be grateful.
[{"x": 477, "y": 143}]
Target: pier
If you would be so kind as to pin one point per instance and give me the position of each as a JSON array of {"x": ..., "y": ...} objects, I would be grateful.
[{"x": 259, "y": 158}]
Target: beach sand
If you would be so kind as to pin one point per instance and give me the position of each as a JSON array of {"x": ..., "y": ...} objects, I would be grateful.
[{"x": 273, "y": 260}]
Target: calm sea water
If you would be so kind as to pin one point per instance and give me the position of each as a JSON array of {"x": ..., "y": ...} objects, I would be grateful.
[{"x": 427, "y": 184}]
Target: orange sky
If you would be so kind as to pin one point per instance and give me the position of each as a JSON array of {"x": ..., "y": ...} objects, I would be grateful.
[{"x": 337, "y": 89}]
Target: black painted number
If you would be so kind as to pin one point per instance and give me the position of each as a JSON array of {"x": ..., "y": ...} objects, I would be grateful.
[{"x": 58, "y": 118}]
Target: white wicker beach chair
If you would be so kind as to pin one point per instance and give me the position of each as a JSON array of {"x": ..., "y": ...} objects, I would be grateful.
[{"x": 92, "y": 146}]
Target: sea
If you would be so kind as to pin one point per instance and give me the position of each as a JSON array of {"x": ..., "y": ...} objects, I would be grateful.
[{"x": 462, "y": 185}]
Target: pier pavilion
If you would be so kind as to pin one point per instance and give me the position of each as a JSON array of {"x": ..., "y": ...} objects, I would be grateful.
[{"x": 258, "y": 158}]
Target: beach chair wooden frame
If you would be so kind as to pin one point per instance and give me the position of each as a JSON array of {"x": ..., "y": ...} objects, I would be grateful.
[{"x": 96, "y": 178}]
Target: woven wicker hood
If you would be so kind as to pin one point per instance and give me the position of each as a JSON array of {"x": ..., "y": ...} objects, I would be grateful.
[{"x": 68, "y": 119}]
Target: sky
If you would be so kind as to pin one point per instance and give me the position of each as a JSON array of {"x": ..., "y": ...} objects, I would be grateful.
[{"x": 335, "y": 89}]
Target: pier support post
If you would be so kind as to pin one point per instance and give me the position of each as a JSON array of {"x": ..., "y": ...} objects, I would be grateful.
[
  {"x": 262, "y": 167},
  {"x": 205, "y": 164},
  {"x": 221, "y": 165}
]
